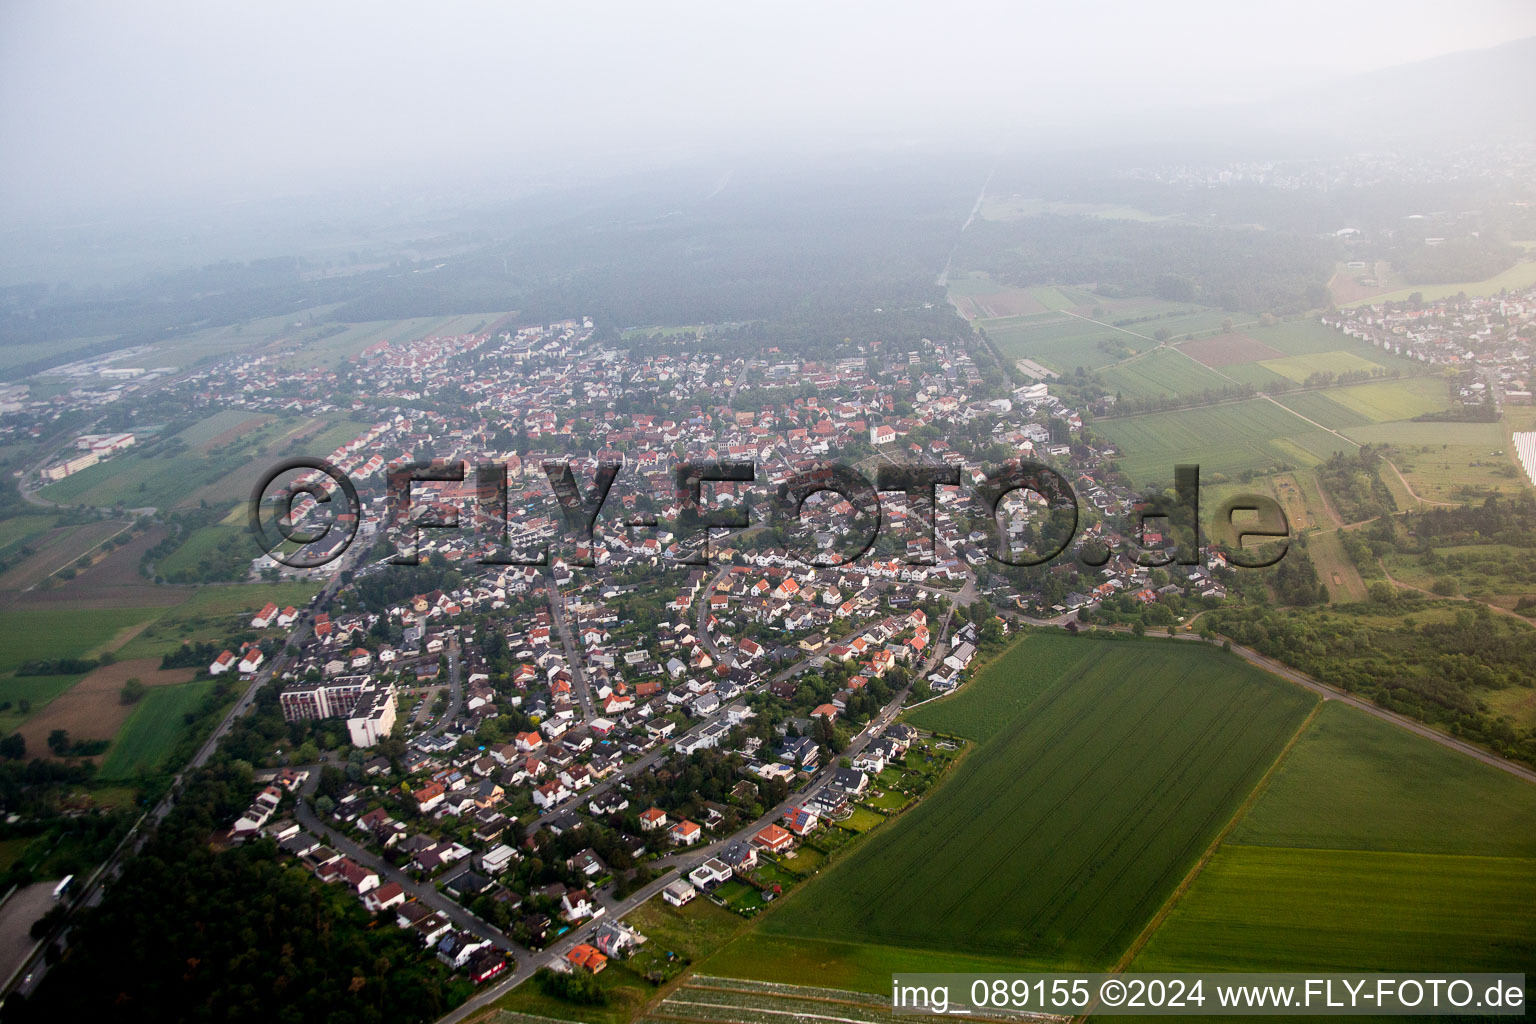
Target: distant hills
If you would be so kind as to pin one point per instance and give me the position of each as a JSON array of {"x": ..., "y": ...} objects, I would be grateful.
[{"x": 1485, "y": 95}]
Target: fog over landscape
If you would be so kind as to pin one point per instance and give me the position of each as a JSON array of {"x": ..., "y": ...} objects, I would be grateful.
[
  {"x": 690, "y": 513},
  {"x": 105, "y": 103}
]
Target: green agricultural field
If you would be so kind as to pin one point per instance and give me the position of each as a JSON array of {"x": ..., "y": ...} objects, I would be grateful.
[
  {"x": 15, "y": 530},
  {"x": 1299, "y": 368},
  {"x": 153, "y": 729},
  {"x": 1356, "y": 782},
  {"x": 1320, "y": 408},
  {"x": 1255, "y": 435},
  {"x": 1360, "y": 405},
  {"x": 1001, "y": 692},
  {"x": 13, "y": 355},
  {"x": 37, "y": 690},
  {"x": 1403, "y": 435},
  {"x": 300, "y": 330},
  {"x": 343, "y": 345},
  {"x": 57, "y": 632},
  {"x": 199, "y": 545},
  {"x": 1304, "y": 337},
  {"x": 204, "y": 470},
  {"x": 1274, "y": 909},
  {"x": 1061, "y": 297},
  {"x": 1162, "y": 372},
  {"x": 1257, "y": 376},
  {"x": 206, "y": 430},
  {"x": 1078, "y": 813},
  {"x": 212, "y": 613},
  {"x": 1381, "y": 401},
  {"x": 1064, "y": 342},
  {"x": 1372, "y": 848}
]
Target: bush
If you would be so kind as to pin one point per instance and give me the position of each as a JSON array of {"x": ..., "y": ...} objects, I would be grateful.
[{"x": 578, "y": 987}]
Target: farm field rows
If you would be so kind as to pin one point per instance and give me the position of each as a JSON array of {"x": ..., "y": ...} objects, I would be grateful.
[
  {"x": 1299, "y": 368},
  {"x": 1161, "y": 372},
  {"x": 1065, "y": 342},
  {"x": 1371, "y": 849},
  {"x": 1252, "y": 435},
  {"x": 152, "y": 729},
  {"x": 1272, "y": 909},
  {"x": 1069, "y": 852},
  {"x": 53, "y": 550}
]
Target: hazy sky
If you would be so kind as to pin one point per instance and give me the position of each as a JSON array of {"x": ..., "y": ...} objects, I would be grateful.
[{"x": 102, "y": 101}]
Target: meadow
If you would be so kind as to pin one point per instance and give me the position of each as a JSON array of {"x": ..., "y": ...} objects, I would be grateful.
[
  {"x": 1102, "y": 769},
  {"x": 1521, "y": 275},
  {"x": 1335, "y": 568},
  {"x": 1441, "y": 461}
]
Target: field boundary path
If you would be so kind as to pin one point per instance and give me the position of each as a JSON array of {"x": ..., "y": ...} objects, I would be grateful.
[{"x": 1415, "y": 494}]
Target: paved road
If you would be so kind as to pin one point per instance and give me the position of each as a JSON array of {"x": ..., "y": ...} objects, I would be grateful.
[
  {"x": 90, "y": 893},
  {"x": 684, "y": 860},
  {"x": 426, "y": 892},
  {"x": 455, "y": 689},
  {"x": 558, "y": 617}
]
